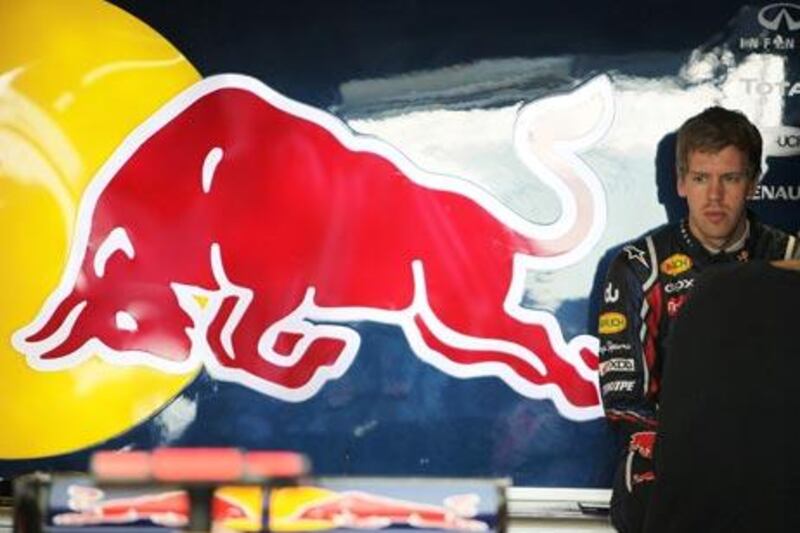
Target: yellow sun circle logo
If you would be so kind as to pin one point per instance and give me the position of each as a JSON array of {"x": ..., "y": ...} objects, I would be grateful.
[{"x": 75, "y": 79}]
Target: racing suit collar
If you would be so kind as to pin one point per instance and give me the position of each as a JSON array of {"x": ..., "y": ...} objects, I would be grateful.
[{"x": 716, "y": 255}]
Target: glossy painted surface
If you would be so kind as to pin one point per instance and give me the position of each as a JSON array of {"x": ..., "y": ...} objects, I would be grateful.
[
  {"x": 74, "y": 79},
  {"x": 228, "y": 241},
  {"x": 445, "y": 88}
]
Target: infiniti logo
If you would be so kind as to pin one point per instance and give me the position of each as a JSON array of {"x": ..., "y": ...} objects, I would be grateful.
[{"x": 772, "y": 15}]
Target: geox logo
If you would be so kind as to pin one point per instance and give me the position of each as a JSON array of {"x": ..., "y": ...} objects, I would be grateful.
[{"x": 680, "y": 285}]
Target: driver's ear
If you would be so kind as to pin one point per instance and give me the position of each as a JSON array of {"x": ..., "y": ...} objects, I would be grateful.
[
  {"x": 751, "y": 188},
  {"x": 680, "y": 185}
]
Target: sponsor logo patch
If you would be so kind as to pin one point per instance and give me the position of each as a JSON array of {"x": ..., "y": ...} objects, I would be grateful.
[
  {"x": 611, "y": 347},
  {"x": 612, "y": 322},
  {"x": 782, "y": 18},
  {"x": 773, "y": 16},
  {"x": 777, "y": 192},
  {"x": 676, "y": 264},
  {"x": 616, "y": 365},
  {"x": 635, "y": 254},
  {"x": 674, "y": 304},
  {"x": 759, "y": 87},
  {"x": 611, "y": 294},
  {"x": 619, "y": 386},
  {"x": 680, "y": 285}
]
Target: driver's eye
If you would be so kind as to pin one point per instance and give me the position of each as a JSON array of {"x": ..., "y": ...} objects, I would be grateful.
[{"x": 126, "y": 322}]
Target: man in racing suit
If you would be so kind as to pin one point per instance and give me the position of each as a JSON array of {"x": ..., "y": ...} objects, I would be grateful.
[{"x": 718, "y": 159}]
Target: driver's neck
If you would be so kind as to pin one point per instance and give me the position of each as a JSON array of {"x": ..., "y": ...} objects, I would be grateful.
[{"x": 732, "y": 243}]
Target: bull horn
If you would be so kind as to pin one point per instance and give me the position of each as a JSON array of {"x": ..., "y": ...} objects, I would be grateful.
[{"x": 50, "y": 329}]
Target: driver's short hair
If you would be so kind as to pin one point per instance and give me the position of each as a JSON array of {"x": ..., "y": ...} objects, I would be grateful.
[{"x": 714, "y": 129}]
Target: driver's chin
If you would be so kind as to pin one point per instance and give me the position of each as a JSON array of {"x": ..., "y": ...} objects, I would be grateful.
[
  {"x": 713, "y": 235},
  {"x": 720, "y": 235}
]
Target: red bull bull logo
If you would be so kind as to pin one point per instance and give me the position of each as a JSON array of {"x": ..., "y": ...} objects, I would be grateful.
[
  {"x": 91, "y": 506},
  {"x": 243, "y": 231},
  {"x": 355, "y": 509}
]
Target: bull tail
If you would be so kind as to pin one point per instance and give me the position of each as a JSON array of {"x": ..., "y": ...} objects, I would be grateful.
[{"x": 548, "y": 136}]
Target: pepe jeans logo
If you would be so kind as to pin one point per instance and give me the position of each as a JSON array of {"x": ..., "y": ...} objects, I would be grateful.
[
  {"x": 773, "y": 16},
  {"x": 618, "y": 386}
]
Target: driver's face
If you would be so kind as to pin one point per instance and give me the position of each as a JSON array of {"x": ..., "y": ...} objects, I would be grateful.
[{"x": 716, "y": 186}]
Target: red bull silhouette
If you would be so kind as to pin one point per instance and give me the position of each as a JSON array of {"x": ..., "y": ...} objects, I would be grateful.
[
  {"x": 242, "y": 230},
  {"x": 361, "y": 510},
  {"x": 166, "y": 508}
]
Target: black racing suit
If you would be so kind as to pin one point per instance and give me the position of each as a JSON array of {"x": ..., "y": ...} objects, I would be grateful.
[{"x": 646, "y": 285}]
